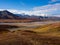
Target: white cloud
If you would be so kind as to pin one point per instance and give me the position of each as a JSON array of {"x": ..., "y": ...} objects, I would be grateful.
[
  {"x": 16, "y": 11},
  {"x": 46, "y": 10},
  {"x": 53, "y": 1}
]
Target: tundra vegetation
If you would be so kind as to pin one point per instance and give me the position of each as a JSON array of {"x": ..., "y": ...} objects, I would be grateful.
[{"x": 42, "y": 35}]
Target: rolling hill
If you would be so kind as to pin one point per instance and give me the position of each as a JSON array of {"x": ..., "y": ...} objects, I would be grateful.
[{"x": 49, "y": 28}]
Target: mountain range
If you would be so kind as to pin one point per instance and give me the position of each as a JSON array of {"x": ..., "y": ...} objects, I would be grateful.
[{"x": 8, "y": 15}]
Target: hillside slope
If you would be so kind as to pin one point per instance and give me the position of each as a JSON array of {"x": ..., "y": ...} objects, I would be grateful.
[{"x": 55, "y": 27}]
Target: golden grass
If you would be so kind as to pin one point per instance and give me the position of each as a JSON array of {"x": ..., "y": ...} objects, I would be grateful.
[
  {"x": 44, "y": 35},
  {"x": 27, "y": 38},
  {"x": 48, "y": 28}
]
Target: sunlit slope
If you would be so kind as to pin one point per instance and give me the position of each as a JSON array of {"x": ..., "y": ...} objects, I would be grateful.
[{"x": 55, "y": 27}]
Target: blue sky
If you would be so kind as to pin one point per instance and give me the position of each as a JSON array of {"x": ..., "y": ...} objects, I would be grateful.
[
  {"x": 32, "y": 7},
  {"x": 22, "y": 4}
]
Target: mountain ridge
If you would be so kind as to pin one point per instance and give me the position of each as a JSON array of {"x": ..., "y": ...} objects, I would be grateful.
[{"x": 8, "y": 15}]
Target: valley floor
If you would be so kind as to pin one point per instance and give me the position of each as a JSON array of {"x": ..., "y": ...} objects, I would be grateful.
[{"x": 47, "y": 34}]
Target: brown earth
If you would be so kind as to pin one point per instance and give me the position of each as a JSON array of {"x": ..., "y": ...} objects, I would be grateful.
[{"x": 14, "y": 20}]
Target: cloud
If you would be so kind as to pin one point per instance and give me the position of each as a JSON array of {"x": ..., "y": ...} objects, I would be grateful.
[
  {"x": 53, "y": 1},
  {"x": 15, "y": 11},
  {"x": 53, "y": 9},
  {"x": 46, "y": 10}
]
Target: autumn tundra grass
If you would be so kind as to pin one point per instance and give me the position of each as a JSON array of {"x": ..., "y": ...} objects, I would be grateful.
[
  {"x": 27, "y": 38},
  {"x": 42, "y": 35},
  {"x": 55, "y": 27}
]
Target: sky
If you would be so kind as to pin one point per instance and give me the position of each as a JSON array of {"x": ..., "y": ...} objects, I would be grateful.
[{"x": 32, "y": 7}]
